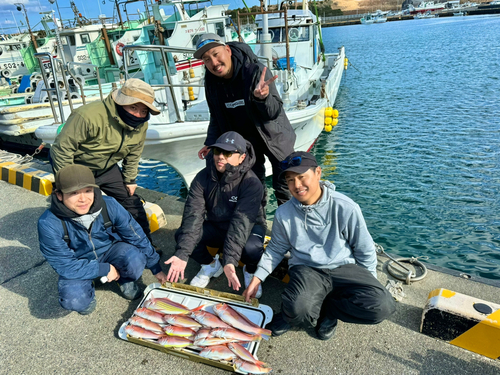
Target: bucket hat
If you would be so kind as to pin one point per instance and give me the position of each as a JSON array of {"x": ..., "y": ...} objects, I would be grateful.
[{"x": 136, "y": 91}]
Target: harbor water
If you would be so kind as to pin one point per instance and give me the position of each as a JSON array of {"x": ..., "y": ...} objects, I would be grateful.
[{"x": 417, "y": 144}]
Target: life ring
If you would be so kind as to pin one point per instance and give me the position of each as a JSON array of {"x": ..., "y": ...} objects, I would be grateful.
[{"x": 119, "y": 48}]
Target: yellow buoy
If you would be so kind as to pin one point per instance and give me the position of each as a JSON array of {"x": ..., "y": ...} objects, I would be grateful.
[
  {"x": 346, "y": 62},
  {"x": 191, "y": 72},
  {"x": 328, "y": 111},
  {"x": 335, "y": 121},
  {"x": 335, "y": 113},
  {"x": 328, "y": 120},
  {"x": 328, "y": 128}
]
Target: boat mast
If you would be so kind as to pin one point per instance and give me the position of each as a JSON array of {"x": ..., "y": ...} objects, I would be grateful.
[{"x": 266, "y": 36}]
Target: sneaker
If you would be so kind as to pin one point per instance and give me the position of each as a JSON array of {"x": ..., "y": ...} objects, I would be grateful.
[
  {"x": 89, "y": 309},
  {"x": 278, "y": 325},
  {"x": 326, "y": 328},
  {"x": 130, "y": 290},
  {"x": 207, "y": 271},
  {"x": 248, "y": 278}
]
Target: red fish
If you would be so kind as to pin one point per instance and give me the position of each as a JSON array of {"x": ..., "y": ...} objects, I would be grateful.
[
  {"x": 239, "y": 321},
  {"x": 174, "y": 342},
  {"x": 148, "y": 314},
  {"x": 182, "y": 321},
  {"x": 208, "y": 320},
  {"x": 179, "y": 331},
  {"x": 235, "y": 334},
  {"x": 211, "y": 341},
  {"x": 244, "y": 354},
  {"x": 202, "y": 334},
  {"x": 251, "y": 368},
  {"x": 218, "y": 353},
  {"x": 146, "y": 324},
  {"x": 142, "y": 333},
  {"x": 166, "y": 306}
]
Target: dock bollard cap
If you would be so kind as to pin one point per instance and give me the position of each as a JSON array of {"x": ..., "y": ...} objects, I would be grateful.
[{"x": 74, "y": 177}]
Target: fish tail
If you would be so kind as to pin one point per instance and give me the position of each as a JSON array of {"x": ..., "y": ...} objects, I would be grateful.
[{"x": 198, "y": 308}]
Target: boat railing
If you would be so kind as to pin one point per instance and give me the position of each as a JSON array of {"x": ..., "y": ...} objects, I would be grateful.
[
  {"x": 79, "y": 82},
  {"x": 163, "y": 50},
  {"x": 60, "y": 87},
  {"x": 56, "y": 89}
]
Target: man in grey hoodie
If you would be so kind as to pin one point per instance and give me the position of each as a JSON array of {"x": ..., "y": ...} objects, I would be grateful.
[{"x": 333, "y": 262}]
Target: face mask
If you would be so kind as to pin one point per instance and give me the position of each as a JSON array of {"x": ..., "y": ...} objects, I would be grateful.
[{"x": 129, "y": 118}]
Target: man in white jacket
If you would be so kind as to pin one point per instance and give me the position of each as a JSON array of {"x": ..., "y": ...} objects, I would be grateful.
[{"x": 333, "y": 262}]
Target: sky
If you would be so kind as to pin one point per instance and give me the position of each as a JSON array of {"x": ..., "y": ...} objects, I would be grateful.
[{"x": 11, "y": 19}]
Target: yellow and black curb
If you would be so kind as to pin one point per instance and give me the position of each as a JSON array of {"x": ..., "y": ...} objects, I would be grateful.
[
  {"x": 27, "y": 177},
  {"x": 41, "y": 182},
  {"x": 464, "y": 321}
]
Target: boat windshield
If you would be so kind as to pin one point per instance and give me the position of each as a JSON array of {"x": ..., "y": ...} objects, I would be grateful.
[{"x": 295, "y": 34}]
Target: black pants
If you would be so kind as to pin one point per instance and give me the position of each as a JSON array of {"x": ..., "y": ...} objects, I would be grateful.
[
  {"x": 279, "y": 184},
  {"x": 349, "y": 293},
  {"x": 111, "y": 182},
  {"x": 215, "y": 237}
]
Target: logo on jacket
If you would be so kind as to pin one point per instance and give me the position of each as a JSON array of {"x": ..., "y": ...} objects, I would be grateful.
[
  {"x": 233, "y": 199},
  {"x": 235, "y": 104}
]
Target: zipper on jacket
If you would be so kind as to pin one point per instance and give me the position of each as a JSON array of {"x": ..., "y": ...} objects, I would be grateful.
[
  {"x": 119, "y": 148},
  {"x": 93, "y": 247}
]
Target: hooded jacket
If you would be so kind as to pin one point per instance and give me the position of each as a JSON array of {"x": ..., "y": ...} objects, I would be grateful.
[
  {"x": 328, "y": 234},
  {"x": 234, "y": 107},
  {"x": 95, "y": 136},
  {"x": 231, "y": 203},
  {"x": 80, "y": 258}
]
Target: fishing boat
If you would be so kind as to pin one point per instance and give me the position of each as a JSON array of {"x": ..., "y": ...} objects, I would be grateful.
[
  {"x": 421, "y": 16},
  {"x": 425, "y": 7},
  {"x": 181, "y": 28},
  {"x": 308, "y": 82}
]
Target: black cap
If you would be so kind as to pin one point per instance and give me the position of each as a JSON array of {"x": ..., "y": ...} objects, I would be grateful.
[
  {"x": 205, "y": 42},
  {"x": 298, "y": 162},
  {"x": 231, "y": 141},
  {"x": 74, "y": 177}
]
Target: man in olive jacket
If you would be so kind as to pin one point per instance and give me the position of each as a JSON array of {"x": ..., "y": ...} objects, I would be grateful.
[{"x": 100, "y": 134}]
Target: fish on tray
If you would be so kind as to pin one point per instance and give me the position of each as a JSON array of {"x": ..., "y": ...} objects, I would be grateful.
[
  {"x": 211, "y": 341},
  {"x": 151, "y": 315},
  {"x": 218, "y": 353},
  {"x": 142, "y": 333},
  {"x": 251, "y": 368},
  {"x": 179, "y": 331},
  {"x": 174, "y": 342},
  {"x": 202, "y": 334},
  {"x": 235, "y": 334},
  {"x": 244, "y": 354},
  {"x": 182, "y": 321},
  {"x": 239, "y": 321},
  {"x": 208, "y": 320},
  {"x": 167, "y": 306},
  {"x": 147, "y": 324}
]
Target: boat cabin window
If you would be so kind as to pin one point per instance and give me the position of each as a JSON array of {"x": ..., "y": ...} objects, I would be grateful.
[
  {"x": 71, "y": 40},
  {"x": 85, "y": 38},
  {"x": 219, "y": 29},
  {"x": 295, "y": 34},
  {"x": 13, "y": 47}
]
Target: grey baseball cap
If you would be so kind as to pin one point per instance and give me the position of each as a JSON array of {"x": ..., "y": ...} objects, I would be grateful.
[
  {"x": 207, "y": 41},
  {"x": 74, "y": 177}
]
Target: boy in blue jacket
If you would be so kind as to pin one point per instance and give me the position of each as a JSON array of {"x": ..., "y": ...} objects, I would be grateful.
[
  {"x": 333, "y": 263},
  {"x": 75, "y": 240}
]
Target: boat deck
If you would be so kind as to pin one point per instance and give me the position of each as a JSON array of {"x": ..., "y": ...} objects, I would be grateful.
[{"x": 37, "y": 336}]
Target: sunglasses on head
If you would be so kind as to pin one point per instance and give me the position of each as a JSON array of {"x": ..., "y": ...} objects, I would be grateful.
[
  {"x": 227, "y": 154},
  {"x": 293, "y": 162}
]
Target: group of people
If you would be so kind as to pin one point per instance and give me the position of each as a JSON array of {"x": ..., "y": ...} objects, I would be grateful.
[{"x": 86, "y": 236}]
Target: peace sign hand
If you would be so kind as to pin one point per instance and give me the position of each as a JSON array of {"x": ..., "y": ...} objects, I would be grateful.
[{"x": 262, "y": 90}]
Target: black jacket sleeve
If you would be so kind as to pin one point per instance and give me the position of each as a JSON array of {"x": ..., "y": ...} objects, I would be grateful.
[
  {"x": 192, "y": 219},
  {"x": 243, "y": 220}
]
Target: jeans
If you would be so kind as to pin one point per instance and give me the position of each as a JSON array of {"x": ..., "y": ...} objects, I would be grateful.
[
  {"x": 76, "y": 295},
  {"x": 349, "y": 293}
]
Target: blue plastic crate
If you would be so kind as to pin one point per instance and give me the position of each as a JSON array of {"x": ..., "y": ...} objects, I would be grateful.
[{"x": 281, "y": 63}]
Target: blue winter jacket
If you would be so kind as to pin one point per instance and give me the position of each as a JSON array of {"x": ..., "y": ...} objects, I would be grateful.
[{"x": 80, "y": 260}]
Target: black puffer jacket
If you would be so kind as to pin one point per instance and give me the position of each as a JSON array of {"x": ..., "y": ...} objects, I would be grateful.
[
  {"x": 232, "y": 99},
  {"x": 232, "y": 203}
]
